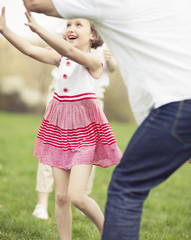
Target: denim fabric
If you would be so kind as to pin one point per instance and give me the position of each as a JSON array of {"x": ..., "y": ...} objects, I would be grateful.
[{"x": 159, "y": 146}]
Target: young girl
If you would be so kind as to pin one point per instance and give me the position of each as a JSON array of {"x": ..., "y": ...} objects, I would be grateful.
[{"x": 74, "y": 134}]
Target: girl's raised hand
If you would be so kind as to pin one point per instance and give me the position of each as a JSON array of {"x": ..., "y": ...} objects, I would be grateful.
[
  {"x": 2, "y": 20},
  {"x": 31, "y": 21},
  {"x": 107, "y": 55}
]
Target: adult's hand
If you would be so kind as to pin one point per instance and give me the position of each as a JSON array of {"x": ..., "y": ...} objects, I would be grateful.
[{"x": 41, "y": 6}]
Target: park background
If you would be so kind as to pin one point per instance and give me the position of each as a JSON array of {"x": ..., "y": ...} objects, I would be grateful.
[
  {"x": 25, "y": 82},
  {"x": 23, "y": 89}
]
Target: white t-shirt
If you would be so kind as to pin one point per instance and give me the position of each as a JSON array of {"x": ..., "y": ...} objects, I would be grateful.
[{"x": 151, "y": 41}]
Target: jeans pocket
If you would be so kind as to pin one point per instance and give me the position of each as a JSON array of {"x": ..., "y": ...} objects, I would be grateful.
[{"x": 182, "y": 126}]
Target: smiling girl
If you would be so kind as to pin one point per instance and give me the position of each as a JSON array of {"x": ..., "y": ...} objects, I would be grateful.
[{"x": 74, "y": 134}]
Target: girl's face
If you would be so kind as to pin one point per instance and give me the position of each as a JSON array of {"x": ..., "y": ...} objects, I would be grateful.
[{"x": 78, "y": 33}]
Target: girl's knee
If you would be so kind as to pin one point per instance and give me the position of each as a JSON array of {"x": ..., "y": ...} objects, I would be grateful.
[
  {"x": 78, "y": 200},
  {"x": 61, "y": 199}
]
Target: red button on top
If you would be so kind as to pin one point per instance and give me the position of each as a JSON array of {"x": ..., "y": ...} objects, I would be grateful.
[
  {"x": 65, "y": 76},
  {"x": 67, "y": 63},
  {"x": 65, "y": 90}
]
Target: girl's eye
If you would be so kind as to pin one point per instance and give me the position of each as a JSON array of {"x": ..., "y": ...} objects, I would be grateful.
[
  {"x": 68, "y": 25},
  {"x": 79, "y": 24}
]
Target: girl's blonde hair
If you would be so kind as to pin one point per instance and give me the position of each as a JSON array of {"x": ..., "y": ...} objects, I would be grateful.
[{"x": 97, "y": 42}]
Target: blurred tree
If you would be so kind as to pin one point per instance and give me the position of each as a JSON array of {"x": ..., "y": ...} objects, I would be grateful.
[{"x": 37, "y": 76}]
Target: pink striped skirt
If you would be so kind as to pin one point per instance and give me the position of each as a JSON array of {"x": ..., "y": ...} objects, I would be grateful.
[{"x": 76, "y": 132}]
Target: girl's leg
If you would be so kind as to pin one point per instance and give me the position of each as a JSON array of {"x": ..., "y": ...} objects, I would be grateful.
[
  {"x": 62, "y": 203},
  {"x": 78, "y": 195}
]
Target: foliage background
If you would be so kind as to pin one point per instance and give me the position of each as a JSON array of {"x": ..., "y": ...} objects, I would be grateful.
[{"x": 37, "y": 76}]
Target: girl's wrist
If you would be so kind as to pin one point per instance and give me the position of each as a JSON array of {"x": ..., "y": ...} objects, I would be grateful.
[
  {"x": 37, "y": 29},
  {"x": 5, "y": 31}
]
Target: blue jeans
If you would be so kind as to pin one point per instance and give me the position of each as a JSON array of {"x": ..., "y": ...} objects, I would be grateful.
[{"x": 159, "y": 146}]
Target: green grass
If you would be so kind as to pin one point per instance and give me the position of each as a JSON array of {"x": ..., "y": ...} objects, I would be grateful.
[{"x": 167, "y": 211}]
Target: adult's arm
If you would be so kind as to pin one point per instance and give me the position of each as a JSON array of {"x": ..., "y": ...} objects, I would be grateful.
[
  {"x": 41, "y": 6},
  {"x": 63, "y": 8}
]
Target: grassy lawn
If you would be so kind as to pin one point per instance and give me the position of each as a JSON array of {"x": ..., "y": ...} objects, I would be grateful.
[{"x": 167, "y": 211}]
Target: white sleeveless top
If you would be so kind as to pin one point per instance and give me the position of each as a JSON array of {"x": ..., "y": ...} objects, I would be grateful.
[{"x": 74, "y": 79}]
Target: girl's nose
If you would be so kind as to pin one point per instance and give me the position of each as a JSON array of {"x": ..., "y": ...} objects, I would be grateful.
[{"x": 71, "y": 30}]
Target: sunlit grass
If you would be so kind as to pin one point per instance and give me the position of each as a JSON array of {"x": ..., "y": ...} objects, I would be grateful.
[{"x": 166, "y": 214}]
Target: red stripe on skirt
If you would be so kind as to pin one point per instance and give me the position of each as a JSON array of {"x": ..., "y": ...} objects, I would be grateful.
[{"x": 72, "y": 138}]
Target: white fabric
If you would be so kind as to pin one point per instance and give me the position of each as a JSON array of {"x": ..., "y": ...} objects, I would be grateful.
[
  {"x": 52, "y": 86},
  {"x": 73, "y": 81},
  {"x": 44, "y": 179},
  {"x": 151, "y": 41},
  {"x": 99, "y": 85},
  {"x": 104, "y": 80}
]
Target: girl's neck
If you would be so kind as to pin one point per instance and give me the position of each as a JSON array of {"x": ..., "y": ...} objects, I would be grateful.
[{"x": 85, "y": 49}]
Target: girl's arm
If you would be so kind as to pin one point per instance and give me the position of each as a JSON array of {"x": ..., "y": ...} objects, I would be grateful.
[
  {"x": 44, "y": 55},
  {"x": 90, "y": 60},
  {"x": 110, "y": 60}
]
